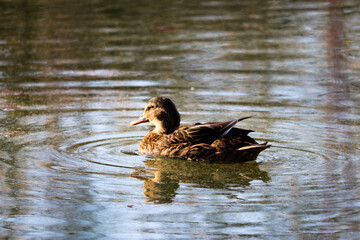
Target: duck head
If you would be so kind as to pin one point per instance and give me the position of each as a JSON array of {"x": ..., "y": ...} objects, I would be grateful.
[{"x": 162, "y": 113}]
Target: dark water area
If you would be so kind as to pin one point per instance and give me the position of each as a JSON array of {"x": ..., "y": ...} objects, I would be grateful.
[{"x": 74, "y": 74}]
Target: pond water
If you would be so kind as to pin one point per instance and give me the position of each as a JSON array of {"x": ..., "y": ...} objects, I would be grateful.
[{"x": 74, "y": 74}]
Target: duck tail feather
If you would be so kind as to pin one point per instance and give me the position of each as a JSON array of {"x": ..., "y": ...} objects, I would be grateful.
[
  {"x": 250, "y": 153},
  {"x": 261, "y": 146}
]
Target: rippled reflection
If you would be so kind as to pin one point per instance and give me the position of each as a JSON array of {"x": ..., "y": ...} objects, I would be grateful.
[{"x": 168, "y": 174}]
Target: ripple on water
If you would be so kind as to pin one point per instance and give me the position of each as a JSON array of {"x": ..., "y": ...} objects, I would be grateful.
[{"x": 105, "y": 149}]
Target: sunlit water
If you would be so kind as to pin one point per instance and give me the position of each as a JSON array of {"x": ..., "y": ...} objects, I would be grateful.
[{"x": 74, "y": 74}]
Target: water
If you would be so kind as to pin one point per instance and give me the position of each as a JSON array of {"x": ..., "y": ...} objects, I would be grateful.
[{"x": 74, "y": 74}]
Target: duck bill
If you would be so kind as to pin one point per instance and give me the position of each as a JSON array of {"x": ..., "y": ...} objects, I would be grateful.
[{"x": 141, "y": 119}]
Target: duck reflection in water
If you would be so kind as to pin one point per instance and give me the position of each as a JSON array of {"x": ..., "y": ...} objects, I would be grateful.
[{"x": 169, "y": 173}]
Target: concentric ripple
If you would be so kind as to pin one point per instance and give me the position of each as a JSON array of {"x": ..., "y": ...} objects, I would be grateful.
[{"x": 112, "y": 150}]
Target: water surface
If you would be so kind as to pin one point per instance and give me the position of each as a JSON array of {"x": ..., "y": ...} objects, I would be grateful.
[{"x": 74, "y": 74}]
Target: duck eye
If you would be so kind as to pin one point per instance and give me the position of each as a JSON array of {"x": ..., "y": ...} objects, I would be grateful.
[{"x": 149, "y": 107}]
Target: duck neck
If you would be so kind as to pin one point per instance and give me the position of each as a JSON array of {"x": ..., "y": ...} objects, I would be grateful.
[{"x": 165, "y": 127}]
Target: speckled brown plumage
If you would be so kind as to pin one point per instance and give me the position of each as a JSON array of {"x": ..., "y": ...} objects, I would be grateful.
[{"x": 210, "y": 142}]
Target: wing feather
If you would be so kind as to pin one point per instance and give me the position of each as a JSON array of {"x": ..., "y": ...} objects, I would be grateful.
[{"x": 202, "y": 133}]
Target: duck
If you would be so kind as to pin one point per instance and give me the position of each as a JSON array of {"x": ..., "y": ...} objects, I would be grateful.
[{"x": 203, "y": 142}]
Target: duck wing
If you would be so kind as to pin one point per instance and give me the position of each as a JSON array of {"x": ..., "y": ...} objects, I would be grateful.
[{"x": 203, "y": 133}]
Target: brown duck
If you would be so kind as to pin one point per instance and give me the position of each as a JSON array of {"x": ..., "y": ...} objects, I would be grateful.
[{"x": 209, "y": 142}]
